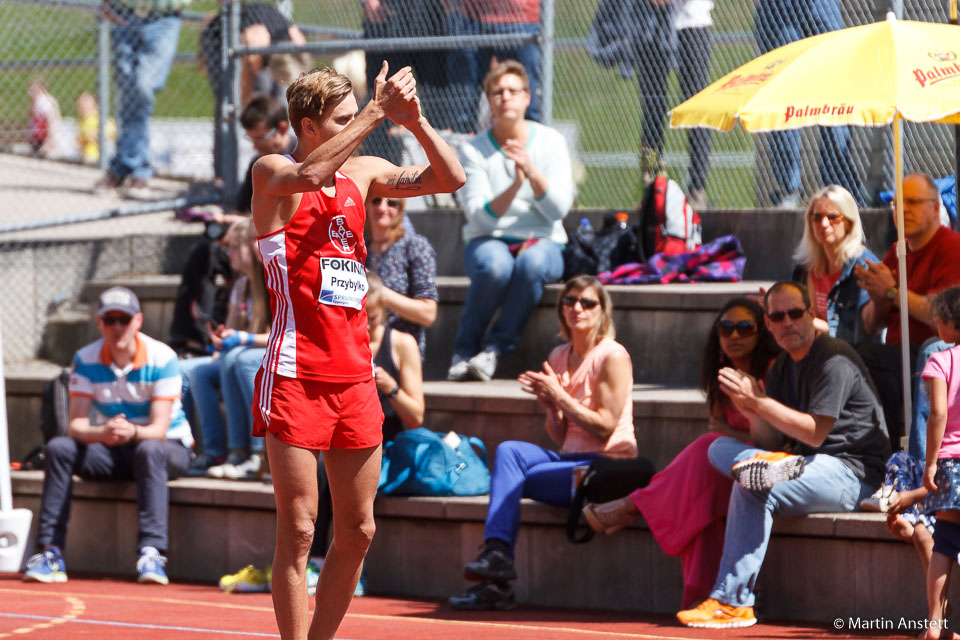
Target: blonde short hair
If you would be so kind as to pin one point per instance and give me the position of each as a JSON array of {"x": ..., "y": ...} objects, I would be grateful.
[
  {"x": 310, "y": 94},
  {"x": 507, "y": 67},
  {"x": 809, "y": 253}
]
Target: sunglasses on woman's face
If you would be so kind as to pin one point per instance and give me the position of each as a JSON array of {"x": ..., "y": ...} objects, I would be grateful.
[
  {"x": 586, "y": 303},
  {"x": 795, "y": 314},
  {"x": 744, "y": 328},
  {"x": 834, "y": 218},
  {"x": 390, "y": 203}
]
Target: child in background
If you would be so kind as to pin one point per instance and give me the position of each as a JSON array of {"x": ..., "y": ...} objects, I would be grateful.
[
  {"x": 88, "y": 128},
  {"x": 941, "y": 476},
  {"x": 44, "y": 119}
]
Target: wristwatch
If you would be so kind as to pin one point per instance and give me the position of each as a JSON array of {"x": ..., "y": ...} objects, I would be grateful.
[
  {"x": 393, "y": 394},
  {"x": 892, "y": 293}
]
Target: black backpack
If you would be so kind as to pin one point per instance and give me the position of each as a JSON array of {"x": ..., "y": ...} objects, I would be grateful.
[
  {"x": 205, "y": 283},
  {"x": 55, "y": 417},
  {"x": 606, "y": 479}
]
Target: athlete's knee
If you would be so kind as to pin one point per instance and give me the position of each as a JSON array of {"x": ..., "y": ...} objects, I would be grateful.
[
  {"x": 355, "y": 537},
  {"x": 296, "y": 531}
]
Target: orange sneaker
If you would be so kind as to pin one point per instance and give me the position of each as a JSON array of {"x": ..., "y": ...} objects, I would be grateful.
[
  {"x": 713, "y": 614},
  {"x": 766, "y": 469}
]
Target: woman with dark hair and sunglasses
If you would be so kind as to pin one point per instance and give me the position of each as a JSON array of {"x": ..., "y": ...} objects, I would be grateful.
[
  {"x": 585, "y": 388},
  {"x": 833, "y": 244},
  {"x": 686, "y": 503},
  {"x": 407, "y": 264}
]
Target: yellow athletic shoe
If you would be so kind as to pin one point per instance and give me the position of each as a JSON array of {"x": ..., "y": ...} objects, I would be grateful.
[
  {"x": 713, "y": 614},
  {"x": 247, "y": 580}
]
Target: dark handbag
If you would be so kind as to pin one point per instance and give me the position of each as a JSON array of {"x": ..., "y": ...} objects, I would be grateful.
[{"x": 606, "y": 479}]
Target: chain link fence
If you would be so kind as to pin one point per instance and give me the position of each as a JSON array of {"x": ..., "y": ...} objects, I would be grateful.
[{"x": 67, "y": 99}]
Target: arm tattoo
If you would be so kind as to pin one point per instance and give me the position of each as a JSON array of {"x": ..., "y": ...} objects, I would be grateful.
[{"x": 412, "y": 182}]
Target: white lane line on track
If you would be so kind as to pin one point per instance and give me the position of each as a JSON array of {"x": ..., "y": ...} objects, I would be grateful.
[{"x": 134, "y": 625}]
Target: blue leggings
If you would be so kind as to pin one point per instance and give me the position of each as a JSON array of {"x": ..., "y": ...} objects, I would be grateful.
[{"x": 525, "y": 470}]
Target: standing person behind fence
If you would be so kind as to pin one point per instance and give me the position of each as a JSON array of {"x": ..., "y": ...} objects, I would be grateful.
[
  {"x": 316, "y": 390},
  {"x": 519, "y": 188},
  {"x": 260, "y": 26},
  {"x": 125, "y": 424},
  {"x": 423, "y": 19},
  {"x": 833, "y": 244},
  {"x": 584, "y": 387},
  {"x": 780, "y": 22},
  {"x": 407, "y": 264},
  {"x": 144, "y": 41},
  {"x": 466, "y": 66}
]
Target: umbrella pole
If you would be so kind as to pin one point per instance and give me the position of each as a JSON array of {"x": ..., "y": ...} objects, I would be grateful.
[{"x": 902, "y": 284}]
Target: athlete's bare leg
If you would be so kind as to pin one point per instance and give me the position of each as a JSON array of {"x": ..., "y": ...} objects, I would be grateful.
[
  {"x": 294, "y": 473},
  {"x": 353, "y": 475}
]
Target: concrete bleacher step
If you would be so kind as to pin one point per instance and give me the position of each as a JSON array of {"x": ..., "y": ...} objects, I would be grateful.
[
  {"x": 662, "y": 326},
  {"x": 818, "y": 568}
]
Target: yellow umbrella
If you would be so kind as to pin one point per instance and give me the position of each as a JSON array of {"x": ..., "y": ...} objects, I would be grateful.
[{"x": 871, "y": 75}]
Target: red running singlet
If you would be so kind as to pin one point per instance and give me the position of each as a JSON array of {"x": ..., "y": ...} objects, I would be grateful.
[{"x": 317, "y": 283}]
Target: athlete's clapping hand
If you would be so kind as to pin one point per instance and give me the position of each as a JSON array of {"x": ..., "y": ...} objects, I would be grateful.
[{"x": 397, "y": 97}]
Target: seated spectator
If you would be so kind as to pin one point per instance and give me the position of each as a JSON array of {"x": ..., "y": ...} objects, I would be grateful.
[
  {"x": 260, "y": 26},
  {"x": 933, "y": 263},
  {"x": 519, "y": 188},
  {"x": 585, "y": 388},
  {"x": 45, "y": 120},
  {"x": 407, "y": 264},
  {"x": 125, "y": 424},
  {"x": 265, "y": 122},
  {"x": 819, "y": 400},
  {"x": 239, "y": 344},
  {"x": 685, "y": 504},
  {"x": 833, "y": 244}
]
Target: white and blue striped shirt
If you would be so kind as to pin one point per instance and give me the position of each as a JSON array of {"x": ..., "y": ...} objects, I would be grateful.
[{"x": 153, "y": 374}]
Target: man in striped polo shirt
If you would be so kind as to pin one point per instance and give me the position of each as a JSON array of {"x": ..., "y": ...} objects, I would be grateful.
[{"x": 126, "y": 423}]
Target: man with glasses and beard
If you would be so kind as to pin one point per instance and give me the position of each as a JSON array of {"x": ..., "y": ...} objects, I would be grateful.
[
  {"x": 125, "y": 423},
  {"x": 818, "y": 402}
]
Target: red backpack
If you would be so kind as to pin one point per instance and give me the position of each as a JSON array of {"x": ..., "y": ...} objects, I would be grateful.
[{"x": 668, "y": 224}]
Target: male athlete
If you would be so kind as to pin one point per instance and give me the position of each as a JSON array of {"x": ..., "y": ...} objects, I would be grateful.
[{"x": 315, "y": 390}]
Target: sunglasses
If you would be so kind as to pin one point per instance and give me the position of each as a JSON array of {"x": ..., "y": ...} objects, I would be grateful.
[
  {"x": 390, "y": 203},
  {"x": 744, "y": 328},
  {"x": 112, "y": 320},
  {"x": 586, "y": 303},
  {"x": 834, "y": 218},
  {"x": 795, "y": 314},
  {"x": 261, "y": 138}
]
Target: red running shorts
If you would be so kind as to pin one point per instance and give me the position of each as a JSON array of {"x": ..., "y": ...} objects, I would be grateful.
[{"x": 311, "y": 414}]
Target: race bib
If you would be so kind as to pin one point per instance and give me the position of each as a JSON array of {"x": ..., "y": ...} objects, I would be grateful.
[{"x": 343, "y": 282}]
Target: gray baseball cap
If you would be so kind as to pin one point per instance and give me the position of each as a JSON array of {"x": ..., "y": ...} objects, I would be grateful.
[{"x": 118, "y": 299}]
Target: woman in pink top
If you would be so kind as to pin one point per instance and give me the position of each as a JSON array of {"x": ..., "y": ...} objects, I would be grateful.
[
  {"x": 685, "y": 504},
  {"x": 585, "y": 389}
]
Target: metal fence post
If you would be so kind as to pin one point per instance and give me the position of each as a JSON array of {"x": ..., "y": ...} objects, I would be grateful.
[
  {"x": 103, "y": 85},
  {"x": 228, "y": 96},
  {"x": 546, "y": 58}
]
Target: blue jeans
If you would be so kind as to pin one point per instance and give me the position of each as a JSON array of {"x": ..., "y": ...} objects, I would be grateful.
[
  {"x": 500, "y": 281},
  {"x": 237, "y": 373},
  {"x": 921, "y": 400},
  {"x": 525, "y": 470},
  {"x": 827, "y": 485},
  {"x": 150, "y": 463},
  {"x": 779, "y": 22},
  {"x": 232, "y": 374},
  {"x": 143, "y": 51},
  {"x": 466, "y": 68}
]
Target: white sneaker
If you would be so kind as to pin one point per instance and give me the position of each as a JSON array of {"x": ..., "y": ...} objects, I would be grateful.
[
  {"x": 458, "y": 371},
  {"x": 243, "y": 471},
  {"x": 484, "y": 364},
  {"x": 226, "y": 470},
  {"x": 880, "y": 500},
  {"x": 790, "y": 202}
]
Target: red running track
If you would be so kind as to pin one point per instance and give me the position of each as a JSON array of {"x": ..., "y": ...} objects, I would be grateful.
[{"x": 111, "y": 609}]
